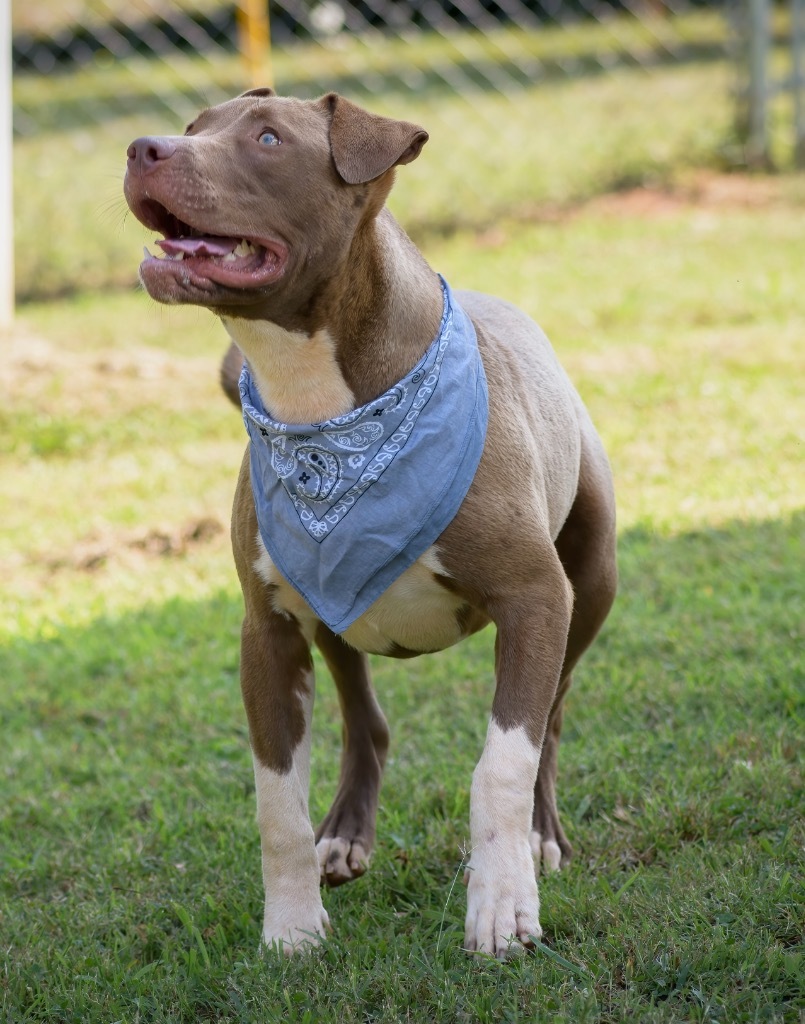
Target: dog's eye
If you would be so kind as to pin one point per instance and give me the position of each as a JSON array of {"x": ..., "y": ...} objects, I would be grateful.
[{"x": 268, "y": 138}]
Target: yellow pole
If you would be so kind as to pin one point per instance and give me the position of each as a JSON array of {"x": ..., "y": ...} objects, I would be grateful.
[{"x": 255, "y": 41}]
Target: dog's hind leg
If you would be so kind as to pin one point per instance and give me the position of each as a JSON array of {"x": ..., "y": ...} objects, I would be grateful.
[
  {"x": 346, "y": 835},
  {"x": 586, "y": 548},
  {"x": 549, "y": 844}
]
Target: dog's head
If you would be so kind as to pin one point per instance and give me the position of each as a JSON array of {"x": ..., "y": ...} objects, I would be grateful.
[{"x": 262, "y": 198}]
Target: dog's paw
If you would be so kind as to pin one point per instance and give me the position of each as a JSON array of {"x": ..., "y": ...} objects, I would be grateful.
[
  {"x": 298, "y": 934},
  {"x": 502, "y": 906},
  {"x": 341, "y": 860},
  {"x": 546, "y": 852}
]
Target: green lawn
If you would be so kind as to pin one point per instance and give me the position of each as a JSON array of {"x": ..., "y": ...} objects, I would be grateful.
[{"x": 129, "y": 858}]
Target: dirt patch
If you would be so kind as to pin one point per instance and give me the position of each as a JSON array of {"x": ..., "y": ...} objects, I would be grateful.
[
  {"x": 93, "y": 553},
  {"x": 706, "y": 189},
  {"x": 695, "y": 191},
  {"x": 114, "y": 383}
]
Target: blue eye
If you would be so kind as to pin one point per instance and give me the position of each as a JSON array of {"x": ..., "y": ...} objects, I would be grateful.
[{"x": 269, "y": 139}]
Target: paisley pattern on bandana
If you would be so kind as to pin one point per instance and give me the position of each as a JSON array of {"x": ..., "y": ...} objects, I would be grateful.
[{"x": 381, "y": 478}]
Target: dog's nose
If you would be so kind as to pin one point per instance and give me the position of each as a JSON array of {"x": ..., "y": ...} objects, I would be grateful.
[{"x": 147, "y": 153}]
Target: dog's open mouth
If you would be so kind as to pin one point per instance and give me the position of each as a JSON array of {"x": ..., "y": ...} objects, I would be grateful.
[{"x": 200, "y": 258}]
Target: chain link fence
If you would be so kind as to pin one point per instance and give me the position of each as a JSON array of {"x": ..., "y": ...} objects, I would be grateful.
[{"x": 530, "y": 104}]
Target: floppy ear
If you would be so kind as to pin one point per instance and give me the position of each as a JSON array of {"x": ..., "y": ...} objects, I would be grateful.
[
  {"x": 366, "y": 145},
  {"x": 264, "y": 90}
]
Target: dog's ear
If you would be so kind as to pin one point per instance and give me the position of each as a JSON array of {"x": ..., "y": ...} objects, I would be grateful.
[
  {"x": 264, "y": 90},
  {"x": 366, "y": 145}
]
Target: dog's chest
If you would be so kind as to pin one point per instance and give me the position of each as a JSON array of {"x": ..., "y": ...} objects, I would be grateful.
[{"x": 415, "y": 615}]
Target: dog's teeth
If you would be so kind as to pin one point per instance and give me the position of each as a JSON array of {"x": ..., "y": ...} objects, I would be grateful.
[
  {"x": 178, "y": 257},
  {"x": 146, "y": 253},
  {"x": 244, "y": 248},
  {"x": 230, "y": 257}
]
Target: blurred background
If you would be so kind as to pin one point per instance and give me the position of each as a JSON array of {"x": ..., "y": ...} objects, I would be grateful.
[{"x": 528, "y": 102}]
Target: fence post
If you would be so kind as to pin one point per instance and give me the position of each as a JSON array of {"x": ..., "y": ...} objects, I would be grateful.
[
  {"x": 758, "y": 45},
  {"x": 798, "y": 79},
  {"x": 6, "y": 170},
  {"x": 254, "y": 33}
]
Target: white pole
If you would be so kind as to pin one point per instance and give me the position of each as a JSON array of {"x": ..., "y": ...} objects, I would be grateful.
[{"x": 6, "y": 156}]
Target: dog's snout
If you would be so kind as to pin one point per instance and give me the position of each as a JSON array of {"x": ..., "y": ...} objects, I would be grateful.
[{"x": 149, "y": 152}]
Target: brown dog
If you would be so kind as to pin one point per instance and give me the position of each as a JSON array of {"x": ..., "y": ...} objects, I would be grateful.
[{"x": 272, "y": 212}]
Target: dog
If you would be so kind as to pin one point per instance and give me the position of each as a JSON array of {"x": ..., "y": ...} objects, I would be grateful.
[{"x": 418, "y": 466}]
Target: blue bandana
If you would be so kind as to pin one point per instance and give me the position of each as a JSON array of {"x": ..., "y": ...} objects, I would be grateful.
[{"x": 344, "y": 507}]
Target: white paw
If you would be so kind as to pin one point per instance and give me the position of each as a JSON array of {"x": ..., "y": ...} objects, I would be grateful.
[
  {"x": 502, "y": 903},
  {"x": 294, "y": 930},
  {"x": 545, "y": 852},
  {"x": 340, "y": 860}
]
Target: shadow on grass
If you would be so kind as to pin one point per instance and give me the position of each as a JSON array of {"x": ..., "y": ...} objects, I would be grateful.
[
  {"x": 714, "y": 589},
  {"x": 707, "y": 618},
  {"x": 700, "y": 598},
  {"x": 129, "y": 863}
]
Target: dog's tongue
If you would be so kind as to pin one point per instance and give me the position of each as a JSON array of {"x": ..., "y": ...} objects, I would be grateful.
[{"x": 205, "y": 246}]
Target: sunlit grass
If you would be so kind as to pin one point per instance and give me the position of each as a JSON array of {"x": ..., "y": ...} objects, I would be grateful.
[
  {"x": 130, "y": 863},
  {"x": 684, "y": 347},
  {"x": 562, "y": 130}
]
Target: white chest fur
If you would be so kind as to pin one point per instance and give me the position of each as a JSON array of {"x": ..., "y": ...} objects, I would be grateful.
[
  {"x": 297, "y": 375},
  {"x": 416, "y": 613}
]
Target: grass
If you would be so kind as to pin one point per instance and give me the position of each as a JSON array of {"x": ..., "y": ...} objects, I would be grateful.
[
  {"x": 629, "y": 125},
  {"x": 129, "y": 858},
  {"x": 130, "y": 863}
]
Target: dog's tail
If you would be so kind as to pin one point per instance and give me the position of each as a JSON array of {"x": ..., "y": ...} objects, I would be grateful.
[{"x": 231, "y": 365}]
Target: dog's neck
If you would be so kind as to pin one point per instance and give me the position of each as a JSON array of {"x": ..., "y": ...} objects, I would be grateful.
[
  {"x": 388, "y": 305},
  {"x": 377, "y": 315}
]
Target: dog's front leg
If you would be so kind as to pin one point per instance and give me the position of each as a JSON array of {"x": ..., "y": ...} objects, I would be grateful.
[
  {"x": 347, "y": 833},
  {"x": 502, "y": 898},
  {"x": 278, "y": 687}
]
